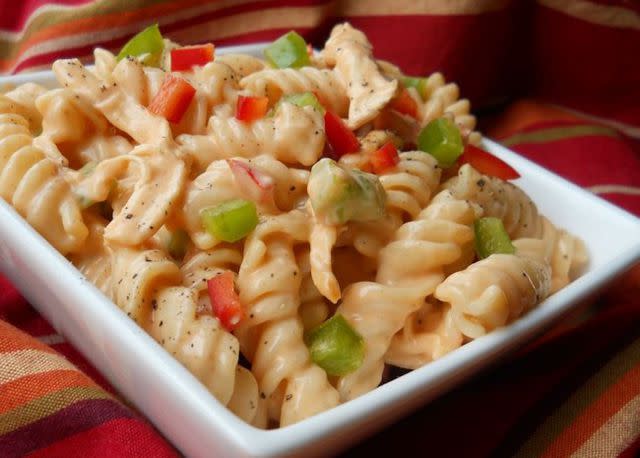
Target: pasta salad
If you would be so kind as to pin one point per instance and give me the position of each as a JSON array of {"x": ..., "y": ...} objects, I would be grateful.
[{"x": 286, "y": 227}]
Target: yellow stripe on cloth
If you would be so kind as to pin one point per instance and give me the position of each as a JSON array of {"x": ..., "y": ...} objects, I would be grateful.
[
  {"x": 614, "y": 189},
  {"x": 553, "y": 134},
  {"x": 616, "y": 434},
  {"x": 17, "y": 364},
  {"x": 413, "y": 7},
  {"x": 609, "y": 16}
]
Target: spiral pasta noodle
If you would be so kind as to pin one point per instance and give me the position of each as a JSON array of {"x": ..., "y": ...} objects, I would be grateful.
[
  {"x": 410, "y": 268},
  {"x": 71, "y": 124},
  {"x": 242, "y": 64},
  {"x": 409, "y": 187},
  {"x": 376, "y": 312},
  {"x": 498, "y": 198},
  {"x": 146, "y": 285},
  {"x": 94, "y": 261},
  {"x": 269, "y": 282},
  {"x": 146, "y": 203},
  {"x": 295, "y": 135},
  {"x": 22, "y": 101},
  {"x": 444, "y": 99},
  {"x": 32, "y": 184},
  {"x": 565, "y": 253},
  {"x": 428, "y": 333},
  {"x": 122, "y": 110},
  {"x": 351, "y": 53},
  {"x": 278, "y": 82},
  {"x": 203, "y": 265},
  {"x": 313, "y": 306},
  {"x": 494, "y": 291}
]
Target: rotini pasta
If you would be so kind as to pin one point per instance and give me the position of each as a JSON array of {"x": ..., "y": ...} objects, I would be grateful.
[
  {"x": 492, "y": 292},
  {"x": 498, "y": 198},
  {"x": 145, "y": 284},
  {"x": 443, "y": 98},
  {"x": 122, "y": 110},
  {"x": 351, "y": 53},
  {"x": 22, "y": 101},
  {"x": 428, "y": 333},
  {"x": 33, "y": 185},
  {"x": 280, "y": 228},
  {"x": 242, "y": 64},
  {"x": 276, "y": 83},
  {"x": 269, "y": 282},
  {"x": 295, "y": 135},
  {"x": 94, "y": 261},
  {"x": 410, "y": 268}
]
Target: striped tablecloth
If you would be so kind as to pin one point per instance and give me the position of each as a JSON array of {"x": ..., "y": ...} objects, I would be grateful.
[{"x": 557, "y": 81}]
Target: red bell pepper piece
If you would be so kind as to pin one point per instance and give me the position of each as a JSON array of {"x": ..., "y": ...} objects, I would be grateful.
[
  {"x": 225, "y": 302},
  {"x": 340, "y": 137},
  {"x": 189, "y": 56},
  {"x": 257, "y": 185},
  {"x": 173, "y": 98},
  {"x": 405, "y": 104},
  {"x": 487, "y": 164},
  {"x": 250, "y": 108},
  {"x": 384, "y": 158}
]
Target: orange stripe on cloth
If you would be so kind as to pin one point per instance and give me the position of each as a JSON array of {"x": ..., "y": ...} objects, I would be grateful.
[
  {"x": 30, "y": 387},
  {"x": 12, "y": 339},
  {"x": 589, "y": 408}
]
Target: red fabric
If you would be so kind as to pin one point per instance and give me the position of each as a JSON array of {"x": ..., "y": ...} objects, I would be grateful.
[
  {"x": 590, "y": 67},
  {"x": 117, "y": 438}
]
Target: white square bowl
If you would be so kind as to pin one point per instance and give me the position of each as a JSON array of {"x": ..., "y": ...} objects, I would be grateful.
[{"x": 198, "y": 424}]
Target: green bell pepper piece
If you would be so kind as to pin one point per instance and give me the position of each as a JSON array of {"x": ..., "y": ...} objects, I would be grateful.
[
  {"x": 441, "y": 138},
  {"x": 339, "y": 195},
  {"x": 491, "y": 237},
  {"x": 335, "y": 346},
  {"x": 146, "y": 45},
  {"x": 288, "y": 51},
  {"x": 231, "y": 220}
]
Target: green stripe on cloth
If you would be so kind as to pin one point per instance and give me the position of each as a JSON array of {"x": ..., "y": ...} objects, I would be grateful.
[
  {"x": 558, "y": 133},
  {"x": 48, "y": 405},
  {"x": 558, "y": 422}
]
